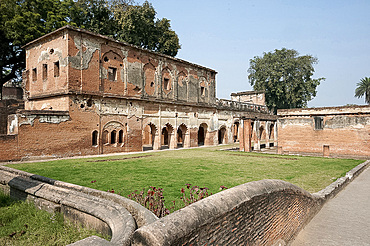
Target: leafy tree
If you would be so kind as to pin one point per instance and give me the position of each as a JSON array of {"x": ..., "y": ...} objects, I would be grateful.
[
  {"x": 363, "y": 88},
  {"x": 95, "y": 16},
  {"x": 139, "y": 27},
  {"x": 22, "y": 21},
  {"x": 285, "y": 77}
]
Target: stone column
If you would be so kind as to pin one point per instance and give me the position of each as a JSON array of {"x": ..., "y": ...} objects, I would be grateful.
[
  {"x": 256, "y": 126},
  {"x": 267, "y": 145},
  {"x": 275, "y": 134}
]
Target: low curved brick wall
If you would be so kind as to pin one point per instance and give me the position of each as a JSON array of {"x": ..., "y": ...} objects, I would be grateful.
[
  {"x": 256, "y": 213},
  {"x": 266, "y": 212},
  {"x": 106, "y": 212}
]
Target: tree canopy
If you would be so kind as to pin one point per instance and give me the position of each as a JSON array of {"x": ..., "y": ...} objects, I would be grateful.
[
  {"x": 363, "y": 89},
  {"x": 26, "y": 20},
  {"x": 285, "y": 77}
]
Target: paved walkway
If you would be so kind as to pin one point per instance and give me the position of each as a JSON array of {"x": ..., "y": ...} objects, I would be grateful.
[{"x": 344, "y": 220}]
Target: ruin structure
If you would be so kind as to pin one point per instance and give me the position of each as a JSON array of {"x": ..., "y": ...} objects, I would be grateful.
[
  {"x": 87, "y": 94},
  {"x": 328, "y": 131}
]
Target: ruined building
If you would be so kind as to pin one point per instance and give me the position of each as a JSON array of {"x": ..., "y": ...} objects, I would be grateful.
[
  {"x": 87, "y": 94},
  {"x": 328, "y": 131}
]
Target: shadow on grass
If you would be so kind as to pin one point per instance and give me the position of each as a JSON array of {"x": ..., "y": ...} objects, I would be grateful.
[{"x": 6, "y": 201}]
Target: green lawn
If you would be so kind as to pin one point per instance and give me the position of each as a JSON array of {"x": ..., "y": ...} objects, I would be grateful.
[
  {"x": 22, "y": 224},
  {"x": 206, "y": 167}
]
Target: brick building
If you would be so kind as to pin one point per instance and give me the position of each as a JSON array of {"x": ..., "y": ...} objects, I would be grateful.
[
  {"x": 332, "y": 131},
  {"x": 254, "y": 97},
  {"x": 89, "y": 94}
]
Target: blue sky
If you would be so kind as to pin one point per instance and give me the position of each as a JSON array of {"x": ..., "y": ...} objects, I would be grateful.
[{"x": 225, "y": 35}]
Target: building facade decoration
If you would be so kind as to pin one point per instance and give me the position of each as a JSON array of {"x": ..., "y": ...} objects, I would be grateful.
[{"x": 87, "y": 94}]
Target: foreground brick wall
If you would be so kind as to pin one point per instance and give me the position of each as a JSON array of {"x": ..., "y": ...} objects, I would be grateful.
[
  {"x": 257, "y": 213},
  {"x": 345, "y": 130}
]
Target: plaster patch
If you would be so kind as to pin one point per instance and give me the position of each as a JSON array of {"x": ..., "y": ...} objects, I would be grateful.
[{"x": 82, "y": 59}]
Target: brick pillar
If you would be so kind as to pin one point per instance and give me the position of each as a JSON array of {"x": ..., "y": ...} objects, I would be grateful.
[
  {"x": 173, "y": 140},
  {"x": 157, "y": 141},
  {"x": 186, "y": 140},
  {"x": 245, "y": 136},
  {"x": 326, "y": 151}
]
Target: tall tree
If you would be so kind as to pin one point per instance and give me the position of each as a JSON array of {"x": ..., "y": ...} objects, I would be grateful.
[
  {"x": 285, "y": 77},
  {"x": 140, "y": 27},
  {"x": 363, "y": 89},
  {"x": 22, "y": 21}
]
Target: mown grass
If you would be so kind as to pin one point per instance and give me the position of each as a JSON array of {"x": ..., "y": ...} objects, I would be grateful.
[
  {"x": 206, "y": 167},
  {"x": 22, "y": 224}
]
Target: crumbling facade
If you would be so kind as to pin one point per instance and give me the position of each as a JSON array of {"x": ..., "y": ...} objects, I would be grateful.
[
  {"x": 88, "y": 94},
  {"x": 254, "y": 97},
  {"x": 329, "y": 131}
]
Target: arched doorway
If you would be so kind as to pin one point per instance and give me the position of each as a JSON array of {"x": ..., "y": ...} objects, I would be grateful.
[
  {"x": 202, "y": 131},
  {"x": 236, "y": 131},
  {"x": 222, "y": 135},
  {"x": 166, "y": 137},
  {"x": 182, "y": 136},
  {"x": 149, "y": 137}
]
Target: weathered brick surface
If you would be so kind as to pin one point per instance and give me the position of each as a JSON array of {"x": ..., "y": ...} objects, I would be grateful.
[
  {"x": 9, "y": 147},
  {"x": 257, "y": 213},
  {"x": 111, "y": 93},
  {"x": 345, "y": 130}
]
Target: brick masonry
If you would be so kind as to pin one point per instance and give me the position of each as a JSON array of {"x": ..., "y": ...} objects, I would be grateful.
[
  {"x": 331, "y": 131},
  {"x": 88, "y": 94}
]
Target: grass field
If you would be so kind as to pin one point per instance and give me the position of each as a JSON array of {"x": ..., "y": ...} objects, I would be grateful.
[
  {"x": 22, "y": 224},
  {"x": 206, "y": 167}
]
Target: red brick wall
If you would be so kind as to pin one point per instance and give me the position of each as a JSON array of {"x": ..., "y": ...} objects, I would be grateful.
[
  {"x": 266, "y": 212},
  {"x": 9, "y": 147},
  {"x": 345, "y": 134}
]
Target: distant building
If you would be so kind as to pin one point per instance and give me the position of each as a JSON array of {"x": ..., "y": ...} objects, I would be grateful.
[
  {"x": 332, "y": 131},
  {"x": 253, "y": 97}
]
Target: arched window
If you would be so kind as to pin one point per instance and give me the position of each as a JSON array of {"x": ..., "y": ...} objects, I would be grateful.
[
  {"x": 113, "y": 137},
  {"x": 94, "y": 139},
  {"x": 120, "y": 136}
]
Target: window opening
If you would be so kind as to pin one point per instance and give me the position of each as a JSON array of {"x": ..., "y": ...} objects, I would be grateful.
[
  {"x": 56, "y": 69},
  {"x": 319, "y": 123},
  {"x": 202, "y": 91},
  {"x": 34, "y": 74},
  {"x": 112, "y": 73},
  {"x": 95, "y": 138},
  {"x": 44, "y": 71},
  {"x": 166, "y": 84},
  {"x": 120, "y": 136},
  {"x": 113, "y": 137}
]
